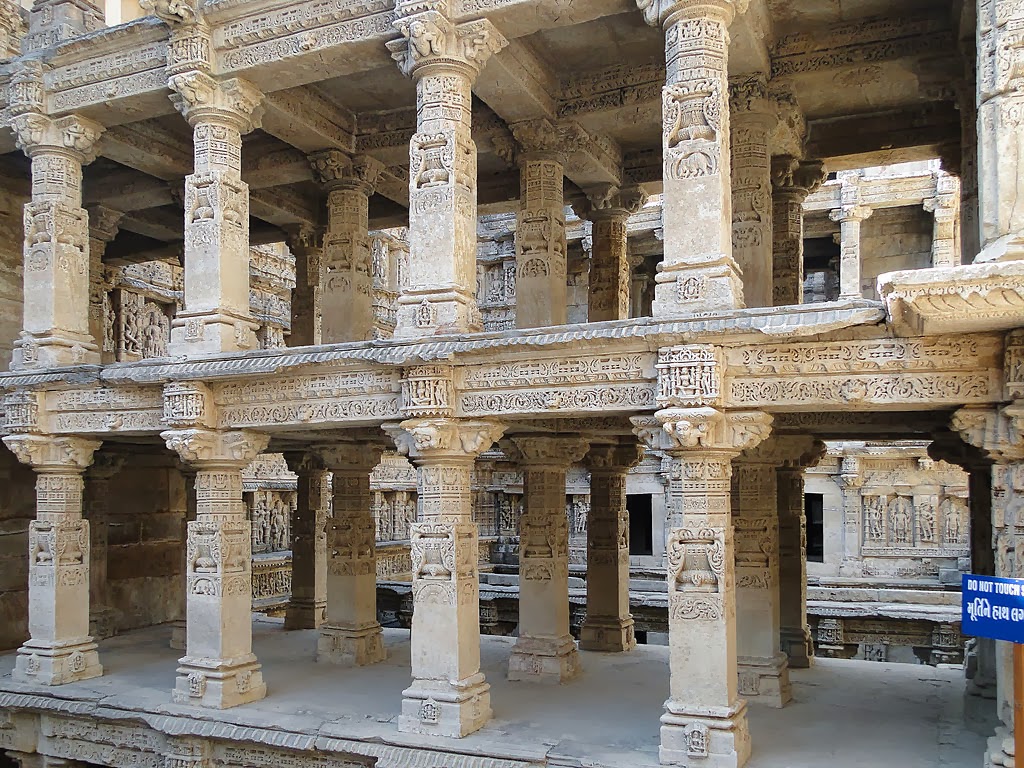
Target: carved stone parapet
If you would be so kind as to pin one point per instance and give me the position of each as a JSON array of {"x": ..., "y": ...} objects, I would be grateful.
[
  {"x": 73, "y": 136},
  {"x": 431, "y": 41},
  {"x": 47, "y": 454},
  {"x": 202, "y": 99},
  {"x": 208, "y": 449}
]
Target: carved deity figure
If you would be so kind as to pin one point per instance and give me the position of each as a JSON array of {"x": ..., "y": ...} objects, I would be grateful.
[
  {"x": 926, "y": 521},
  {"x": 875, "y": 522},
  {"x": 901, "y": 510},
  {"x": 953, "y": 510},
  {"x": 278, "y": 526}
]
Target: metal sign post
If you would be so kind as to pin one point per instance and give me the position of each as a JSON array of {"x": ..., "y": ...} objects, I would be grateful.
[{"x": 994, "y": 607}]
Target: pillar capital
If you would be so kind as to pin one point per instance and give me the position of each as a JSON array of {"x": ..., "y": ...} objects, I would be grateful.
[
  {"x": 440, "y": 439},
  {"x": 348, "y": 456},
  {"x": 702, "y": 429},
  {"x": 302, "y": 238},
  {"x": 999, "y": 432},
  {"x": 73, "y": 136},
  {"x": 791, "y": 175},
  {"x": 200, "y": 98},
  {"x": 785, "y": 451},
  {"x": 556, "y": 453},
  {"x": 542, "y": 139},
  {"x": 210, "y": 449},
  {"x": 749, "y": 98},
  {"x": 432, "y": 42},
  {"x": 608, "y": 201},
  {"x": 613, "y": 457},
  {"x": 669, "y": 12},
  {"x": 333, "y": 169},
  {"x": 850, "y": 213},
  {"x": 50, "y": 454}
]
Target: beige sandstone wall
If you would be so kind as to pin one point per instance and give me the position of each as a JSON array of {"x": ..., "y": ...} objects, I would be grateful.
[
  {"x": 17, "y": 507},
  {"x": 11, "y": 234},
  {"x": 145, "y": 558},
  {"x": 894, "y": 239}
]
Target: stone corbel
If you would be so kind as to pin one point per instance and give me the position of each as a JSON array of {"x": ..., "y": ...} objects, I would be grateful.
[
  {"x": 999, "y": 432},
  {"x": 553, "y": 453},
  {"x": 47, "y": 453},
  {"x": 200, "y": 98},
  {"x": 333, "y": 169},
  {"x": 444, "y": 438},
  {"x": 209, "y": 448},
  {"x": 613, "y": 457},
  {"x": 666, "y": 12},
  {"x": 611, "y": 201},
  {"x": 74, "y": 136},
  {"x": 702, "y": 429},
  {"x": 429, "y": 37}
]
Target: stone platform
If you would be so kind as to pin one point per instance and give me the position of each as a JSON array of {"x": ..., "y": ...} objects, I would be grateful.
[{"x": 845, "y": 714}]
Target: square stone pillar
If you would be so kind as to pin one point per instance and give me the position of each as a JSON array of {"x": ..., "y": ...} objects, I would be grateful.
[
  {"x": 216, "y": 316},
  {"x": 705, "y": 720},
  {"x": 59, "y": 649},
  {"x": 850, "y": 214},
  {"x": 609, "y": 624},
  {"x": 792, "y": 181},
  {"x": 698, "y": 272},
  {"x": 347, "y": 288},
  {"x": 351, "y": 634},
  {"x": 544, "y": 650},
  {"x": 55, "y": 325},
  {"x": 307, "y": 607},
  {"x": 795, "y": 634},
  {"x": 609, "y": 209},
  {"x": 306, "y": 244},
  {"x": 763, "y": 668},
  {"x": 103, "y": 228},
  {"x": 219, "y": 669},
  {"x": 1000, "y": 100},
  {"x": 102, "y": 617},
  {"x": 753, "y": 118},
  {"x": 449, "y": 695},
  {"x": 444, "y": 58},
  {"x": 945, "y": 210},
  {"x": 850, "y": 482},
  {"x": 179, "y": 628}
]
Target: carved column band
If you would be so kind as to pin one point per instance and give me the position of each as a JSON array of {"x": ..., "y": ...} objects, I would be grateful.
[
  {"x": 449, "y": 695},
  {"x": 219, "y": 669},
  {"x": 351, "y": 634},
  {"x": 55, "y": 327},
  {"x": 698, "y": 272},
  {"x": 792, "y": 181},
  {"x": 444, "y": 58},
  {"x": 544, "y": 650},
  {"x": 59, "y": 649},
  {"x": 609, "y": 624},
  {"x": 216, "y": 315},
  {"x": 704, "y": 715}
]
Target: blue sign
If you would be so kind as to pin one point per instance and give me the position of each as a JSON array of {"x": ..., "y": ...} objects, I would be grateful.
[{"x": 993, "y": 607}]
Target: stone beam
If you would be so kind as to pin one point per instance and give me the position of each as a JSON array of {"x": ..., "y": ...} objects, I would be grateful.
[
  {"x": 306, "y": 119},
  {"x": 149, "y": 147},
  {"x": 164, "y": 223},
  {"x": 128, "y": 190},
  {"x": 843, "y": 141},
  {"x": 517, "y": 84},
  {"x": 284, "y": 205},
  {"x": 621, "y": 87},
  {"x": 892, "y": 192},
  {"x": 285, "y": 165}
]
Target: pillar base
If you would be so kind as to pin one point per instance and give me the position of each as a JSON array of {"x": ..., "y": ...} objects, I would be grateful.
[
  {"x": 707, "y": 737},
  {"x": 304, "y": 614},
  {"x": 49, "y": 665},
  {"x": 765, "y": 681},
  {"x": 435, "y": 314},
  {"x": 798, "y": 646},
  {"x": 210, "y": 333},
  {"x": 999, "y": 752},
  {"x": 102, "y": 622},
  {"x": 607, "y": 634},
  {"x": 218, "y": 685},
  {"x": 705, "y": 285},
  {"x": 179, "y": 633},
  {"x": 445, "y": 708},
  {"x": 544, "y": 660},
  {"x": 350, "y": 647},
  {"x": 53, "y": 351}
]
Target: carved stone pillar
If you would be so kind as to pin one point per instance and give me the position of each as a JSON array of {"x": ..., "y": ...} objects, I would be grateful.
[
  {"x": 544, "y": 650},
  {"x": 55, "y": 327},
  {"x": 59, "y": 649},
  {"x": 103, "y": 227},
  {"x": 351, "y": 635},
  {"x": 219, "y": 669},
  {"x": 792, "y": 181},
  {"x": 541, "y": 298},
  {"x": 1000, "y": 99},
  {"x": 610, "y": 279},
  {"x": 850, "y": 482},
  {"x": 444, "y": 58},
  {"x": 753, "y": 118},
  {"x": 609, "y": 624},
  {"x": 105, "y": 466},
  {"x": 763, "y": 668},
  {"x": 306, "y": 244},
  {"x": 216, "y": 316},
  {"x": 449, "y": 695},
  {"x": 850, "y": 214},
  {"x": 797, "y": 643},
  {"x": 945, "y": 209},
  {"x": 698, "y": 272},
  {"x": 179, "y": 628},
  {"x": 347, "y": 295},
  {"x": 966, "y": 94},
  {"x": 308, "y": 604},
  {"x": 705, "y": 719}
]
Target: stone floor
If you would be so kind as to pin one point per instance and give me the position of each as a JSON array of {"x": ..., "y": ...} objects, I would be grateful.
[{"x": 846, "y": 714}]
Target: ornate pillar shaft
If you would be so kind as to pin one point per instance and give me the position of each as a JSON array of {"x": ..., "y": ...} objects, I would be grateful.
[
  {"x": 608, "y": 296},
  {"x": 792, "y": 181},
  {"x": 449, "y": 695},
  {"x": 306, "y": 243},
  {"x": 179, "y": 628},
  {"x": 444, "y": 59},
  {"x": 1000, "y": 100},
  {"x": 850, "y": 482},
  {"x": 752, "y": 118},
  {"x": 97, "y": 509},
  {"x": 103, "y": 228},
  {"x": 59, "y": 649},
  {"x": 763, "y": 668},
  {"x": 609, "y": 624},
  {"x": 219, "y": 669},
  {"x": 704, "y": 716},
  {"x": 698, "y": 272},
  {"x": 55, "y": 327},
  {"x": 351, "y": 634},
  {"x": 216, "y": 315},
  {"x": 966, "y": 95},
  {"x": 347, "y": 295},
  {"x": 308, "y": 604}
]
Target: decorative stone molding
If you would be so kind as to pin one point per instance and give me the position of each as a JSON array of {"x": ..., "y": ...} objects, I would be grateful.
[{"x": 690, "y": 376}]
